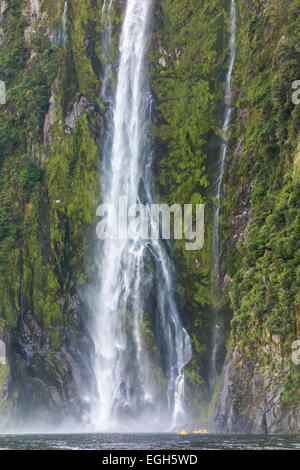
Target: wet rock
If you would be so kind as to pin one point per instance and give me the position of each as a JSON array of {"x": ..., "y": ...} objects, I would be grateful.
[
  {"x": 3, "y": 8},
  {"x": 77, "y": 109},
  {"x": 5, "y": 377},
  {"x": 35, "y": 7},
  {"x": 88, "y": 44},
  {"x": 51, "y": 379},
  {"x": 226, "y": 282},
  {"x": 199, "y": 58},
  {"x": 162, "y": 62},
  {"x": 250, "y": 397},
  {"x": 2, "y": 353},
  {"x": 49, "y": 118},
  {"x": 124, "y": 412}
]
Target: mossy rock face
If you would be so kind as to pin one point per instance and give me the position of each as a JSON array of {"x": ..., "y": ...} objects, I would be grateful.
[
  {"x": 4, "y": 379},
  {"x": 50, "y": 158},
  {"x": 5, "y": 376},
  {"x": 261, "y": 225},
  {"x": 51, "y": 134},
  {"x": 259, "y": 216},
  {"x": 186, "y": 61}
]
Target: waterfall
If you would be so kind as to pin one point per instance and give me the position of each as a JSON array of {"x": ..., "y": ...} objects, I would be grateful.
[
  {"x": 64, "y": 22},
  {"x": 141, "y": 347},
  {"x": 59, "y": 36},
  {"x": 217, "y": 330}
]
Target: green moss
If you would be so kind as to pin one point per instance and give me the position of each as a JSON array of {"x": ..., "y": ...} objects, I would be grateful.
[
  {"x": 55, "y": 339},
  {"x": 291, "y": 388},
  {"x": 186, "y": 60},
  {"x": 83, "y": 24},
  {"x": 4, "y": 374},
  {"x": 261, "y": 176},
  {"x": 147, "y": 334},
  {"x": 210, "y": 411},
  {"x": 48, "y": 193}
]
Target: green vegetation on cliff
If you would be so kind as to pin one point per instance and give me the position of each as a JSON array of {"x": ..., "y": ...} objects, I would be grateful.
[
  {"x": 261, "y": 218},
  {"x": 49, "y": 181},
  {"x": 50, "y": 133},
  {"x": 187, "y": 59}
]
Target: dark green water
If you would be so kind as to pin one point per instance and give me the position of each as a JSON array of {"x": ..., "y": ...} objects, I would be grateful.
[{"x": 145, "y": 442}]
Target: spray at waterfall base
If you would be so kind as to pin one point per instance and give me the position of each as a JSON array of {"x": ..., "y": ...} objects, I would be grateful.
[{"x": 137, "y": 224}]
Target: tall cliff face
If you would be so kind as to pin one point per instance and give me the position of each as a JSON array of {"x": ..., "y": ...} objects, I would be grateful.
[
  {"x": 186, "y": 65},
  {"x": 259, "y": 388},
  {"x": 50, "y": 130},
  {"x": 51, "y": 134}
]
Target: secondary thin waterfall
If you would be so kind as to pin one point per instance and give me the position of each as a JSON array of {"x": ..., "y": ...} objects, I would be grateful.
[
  {"x": 60, "y": 34},
  {"x": 218, "y": 189},
  {"x": 141, "y": 347}
]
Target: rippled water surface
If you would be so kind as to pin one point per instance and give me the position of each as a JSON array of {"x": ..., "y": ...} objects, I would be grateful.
[{"x": 145, "y": 442}]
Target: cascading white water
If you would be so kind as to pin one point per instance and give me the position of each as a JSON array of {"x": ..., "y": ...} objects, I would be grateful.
[
  {"x": 141, "y": 347},
  {"x": 216, "y": 337},
  {"x": 60, "y": 34},
  {"x": 64, "y": 22}
]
